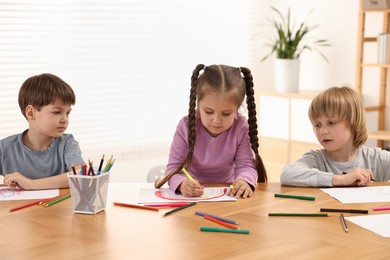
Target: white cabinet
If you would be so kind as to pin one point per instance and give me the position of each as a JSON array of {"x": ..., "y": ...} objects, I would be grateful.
[
  {"x": 285, "y": 129},
  {"x": 301, "y": 127},
  {"x": 274, "y": 117}
]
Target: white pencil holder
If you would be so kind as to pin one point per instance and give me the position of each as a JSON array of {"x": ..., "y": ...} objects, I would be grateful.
[{"x": 89, "y": 193}]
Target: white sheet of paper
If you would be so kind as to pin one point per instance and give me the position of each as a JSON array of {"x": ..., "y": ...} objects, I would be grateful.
[
  {"x": 378, "y": 224},
  {"x": 17, "y": 194},
  {"x": 360, "y": 194},
  {"x": 127, "y": 192},
  {"x": 166, "y": 195}
]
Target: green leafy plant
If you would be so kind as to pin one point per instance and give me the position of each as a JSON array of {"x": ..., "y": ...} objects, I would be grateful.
[{"x": 289, "y": 42}]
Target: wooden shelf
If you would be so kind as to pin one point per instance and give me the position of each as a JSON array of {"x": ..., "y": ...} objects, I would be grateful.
[
  {"x": 376, "y": 65},
  {"x": 382, "y": 134},
  {"x": 376, "y": 10}
]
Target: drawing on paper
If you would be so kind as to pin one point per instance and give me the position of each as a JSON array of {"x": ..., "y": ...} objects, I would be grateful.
[
  {"x": 209, "y": 194},
  {"x": 7, "y": 193},
  {"x": 167, "y": 195}
]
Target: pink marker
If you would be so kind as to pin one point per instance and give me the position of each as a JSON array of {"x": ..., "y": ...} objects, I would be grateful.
[{"x": 382, "y": 208}]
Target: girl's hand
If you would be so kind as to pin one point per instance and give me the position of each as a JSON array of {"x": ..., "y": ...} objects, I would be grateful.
[
  {"x": 356, "y": 177},
  {"x": 18, "y": 180},
  {"x": 191, "y": 189},
  {"x": 241, "y": 189}
]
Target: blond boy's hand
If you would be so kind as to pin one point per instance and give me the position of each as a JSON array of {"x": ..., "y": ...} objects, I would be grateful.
[{"x": 356, "y": 177}]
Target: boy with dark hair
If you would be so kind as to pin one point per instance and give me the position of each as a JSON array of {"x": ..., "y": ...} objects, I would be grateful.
[{"x": 40, "y": 157}]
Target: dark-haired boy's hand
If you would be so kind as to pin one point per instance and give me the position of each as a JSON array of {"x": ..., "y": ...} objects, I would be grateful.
[
  {"x": 241, "y": 189},
  {"x": 190, "y": 188},
  {"x": 18, "y": 180}
]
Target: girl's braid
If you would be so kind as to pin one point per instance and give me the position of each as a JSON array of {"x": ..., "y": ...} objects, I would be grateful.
[
  {"x": 252, "y": 121},
  {"x": 191, "y": 115}
]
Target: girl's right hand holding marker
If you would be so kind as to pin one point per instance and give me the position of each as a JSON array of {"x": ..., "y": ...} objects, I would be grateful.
[
  {"x": 190, "y": 188},
  {"x": 356, "y": 177}
]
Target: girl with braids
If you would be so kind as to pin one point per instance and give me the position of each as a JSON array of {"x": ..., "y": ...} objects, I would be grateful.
[{"x": 214, "y": 142}]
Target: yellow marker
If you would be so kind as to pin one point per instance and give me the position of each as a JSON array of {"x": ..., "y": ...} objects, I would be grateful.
[
  {"x": 231, "y": 187},
  {"x": 190, "y": 178},
  {"x": 188, "y": 175}
]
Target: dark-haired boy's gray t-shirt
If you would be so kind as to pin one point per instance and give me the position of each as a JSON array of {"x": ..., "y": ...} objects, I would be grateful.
[
  {"x": 58, "y": 158},
  {"x": 316, "y": 169}
]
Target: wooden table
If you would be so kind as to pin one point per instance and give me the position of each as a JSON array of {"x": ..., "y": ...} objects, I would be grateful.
[{"x": 126, "y": 233}]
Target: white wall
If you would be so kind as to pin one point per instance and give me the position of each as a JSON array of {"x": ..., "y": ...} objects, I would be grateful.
[{"x": 337, "y": 22}]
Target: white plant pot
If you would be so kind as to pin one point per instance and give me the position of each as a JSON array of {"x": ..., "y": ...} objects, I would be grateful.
[{"x": 286, "y": 75}]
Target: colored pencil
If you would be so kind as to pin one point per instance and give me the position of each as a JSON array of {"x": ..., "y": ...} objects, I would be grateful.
[
  {"x": 226, "y": 230},
  {"x": 381, "y": 208},
  {"x": 221, "y": 222},
  {"x": 58, "y": 200},
  {"x": 298, "y": 215},
  {"x": 100, "y": 165},
  {"x": 108, "y": 164},
  {"x": 90, "y": 170},
  {"x": 135, "y": 206},
  {"x": 294, "y": 197},
  {"x": 112, "y": 163},
  {"x": 180, "y": 208},
  {"x": 343, "y": 223},
  {"x": 29, "y": 204},
  {"x": 359, "y": 211},
  {"x": 54, "y": 198},
  {"x": 216, "y": 217},
  {"x": 74, "y": 170},
  {"x": 85, "y": 169}
]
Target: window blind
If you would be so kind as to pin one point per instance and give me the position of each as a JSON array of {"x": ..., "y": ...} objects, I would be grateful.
[{"x": 129, "y": 62}]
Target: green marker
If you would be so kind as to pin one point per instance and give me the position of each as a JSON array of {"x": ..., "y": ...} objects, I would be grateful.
[
  {"x": 294, "y": 196},
  {"x": 225, "y": 230}
]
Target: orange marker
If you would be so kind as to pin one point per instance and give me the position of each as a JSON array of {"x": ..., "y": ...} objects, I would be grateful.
[{"x": 220, "y": 222}]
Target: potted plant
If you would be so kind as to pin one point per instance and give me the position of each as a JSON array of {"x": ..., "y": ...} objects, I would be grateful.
[{"x": 288, "y": 44}]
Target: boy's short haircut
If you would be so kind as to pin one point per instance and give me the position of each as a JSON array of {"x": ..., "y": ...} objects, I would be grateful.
[
  {"x": 42, "y": 90},
  {"x": 344, "y": 104}
]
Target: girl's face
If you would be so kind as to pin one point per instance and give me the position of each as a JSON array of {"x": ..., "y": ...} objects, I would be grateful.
[
  {"x": 217, "y": 112},
  {"x": 333, "y": 134},
  {"x": 52, "y": 120}
]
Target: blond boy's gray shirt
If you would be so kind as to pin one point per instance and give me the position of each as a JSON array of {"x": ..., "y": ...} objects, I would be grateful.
[
  {"x": 316, "y": 169},
  {"x": 58, "y": 158}
]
